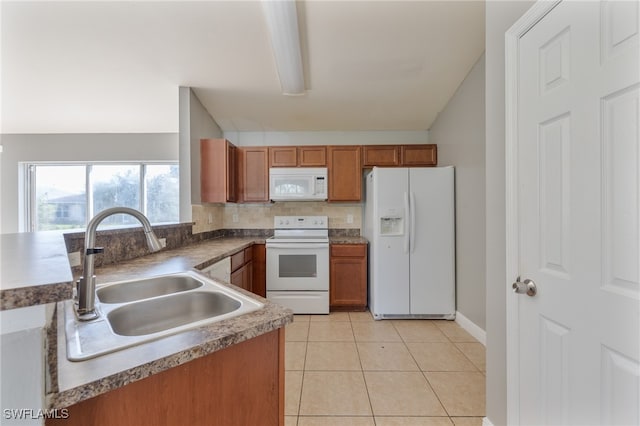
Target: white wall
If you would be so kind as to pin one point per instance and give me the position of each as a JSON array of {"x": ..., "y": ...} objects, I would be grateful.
[
  {"x": 459, "y": 131},
  {"x": 195, "y": 123},
  {"x": 328, "y": 137},
  {"x": 73, "y": 147},
  {"x": 499, "y": 16}
]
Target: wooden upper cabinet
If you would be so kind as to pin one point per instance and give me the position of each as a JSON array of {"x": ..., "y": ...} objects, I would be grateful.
[
  {"x": 298, "y": 156},
  {"x": 399, "y": 155},
  {"x": 419, "y": 155},
  {"x": 345, "y": 173},
  {"x": 312, "y": 156},
  {"x": 253, "y": 174},
  {"x": 217, "y": 171},
  {"x": 283, "y": 156},
  {"x": 380, "y": 155}
]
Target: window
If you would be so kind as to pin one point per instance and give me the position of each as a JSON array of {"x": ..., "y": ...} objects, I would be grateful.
[{"x": 65, "y": 196}]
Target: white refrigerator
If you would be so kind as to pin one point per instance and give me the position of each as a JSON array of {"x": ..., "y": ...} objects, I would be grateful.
[{"x": 409, "y": 220}]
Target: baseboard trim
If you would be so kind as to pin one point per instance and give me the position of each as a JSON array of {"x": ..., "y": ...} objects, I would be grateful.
[
  {"x": 471, "y": 328},
  {"x": 486, "y": 422}
]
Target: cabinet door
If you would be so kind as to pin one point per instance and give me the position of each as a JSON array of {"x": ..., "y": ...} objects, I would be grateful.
[
  {"x": 217, "y": 171},
  {"x": 419, "y": 155},
  {"x": 237, "y": 278},
  {"x": 380, "y": 155},
  {"x": 253, "y": 171},
  {"x": 345, "y": 173},
  {"x": 312, "y": 156},
  {"x": 247, "y": 277},
  {"x": 348, "y": 277},
  {"x": 283, "y": 156}
]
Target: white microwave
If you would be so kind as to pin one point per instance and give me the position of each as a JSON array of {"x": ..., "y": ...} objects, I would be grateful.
[{"x": 298, "y": 184}]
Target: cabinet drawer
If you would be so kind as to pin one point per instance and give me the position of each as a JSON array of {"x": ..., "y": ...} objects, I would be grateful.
[
  {"x": 237, "y": 260},
  {"x": 348, "y": 250}
]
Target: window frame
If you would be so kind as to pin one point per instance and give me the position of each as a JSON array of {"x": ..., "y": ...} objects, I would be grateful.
[{"x": 29, "y": 213}]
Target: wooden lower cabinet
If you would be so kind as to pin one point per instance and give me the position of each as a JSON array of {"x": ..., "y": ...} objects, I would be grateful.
[
  {"x": 348, "y": 277},
  {"x": 227, "y": 387},
  {"x": 242, "y": 269},
  {"x": 259, "y": 283}
]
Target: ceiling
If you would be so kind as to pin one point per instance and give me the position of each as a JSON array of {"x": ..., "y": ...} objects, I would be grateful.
[{"x": 86, "y": 67}]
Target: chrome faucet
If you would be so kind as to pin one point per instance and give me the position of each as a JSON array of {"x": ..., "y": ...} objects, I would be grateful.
[{"x": 86, "y": 285}]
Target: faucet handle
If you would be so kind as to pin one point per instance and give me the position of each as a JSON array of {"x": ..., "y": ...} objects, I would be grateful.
[{"x": 94, "y": 250}]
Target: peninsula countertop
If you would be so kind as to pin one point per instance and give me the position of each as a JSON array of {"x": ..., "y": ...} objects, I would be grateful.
[
  {"x": 73, "y": 382},
  {"x": 34, "y": 269}
]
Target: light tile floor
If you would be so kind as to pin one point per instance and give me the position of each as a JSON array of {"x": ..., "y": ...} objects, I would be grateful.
[{"x": 347, "y": 369}]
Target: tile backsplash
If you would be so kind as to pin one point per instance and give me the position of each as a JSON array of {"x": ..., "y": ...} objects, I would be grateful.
[{"x": 254, "y": 216}]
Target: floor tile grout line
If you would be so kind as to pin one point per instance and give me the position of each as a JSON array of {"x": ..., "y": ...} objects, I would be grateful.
[
  {"x": 304, "y": 364},
  {"x": 364, "y": 378}
]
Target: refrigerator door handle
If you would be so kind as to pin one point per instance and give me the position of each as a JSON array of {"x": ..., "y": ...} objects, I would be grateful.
[
  {"x": 406, "y": 226},
  {"x": 413, "y": 222}
]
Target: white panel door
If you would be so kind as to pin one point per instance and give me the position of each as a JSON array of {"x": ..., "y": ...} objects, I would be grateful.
[
  {"x": 432, "y": 247},
  {"x": 390, "y": 249},
  {"x": 578, "y": 212}
]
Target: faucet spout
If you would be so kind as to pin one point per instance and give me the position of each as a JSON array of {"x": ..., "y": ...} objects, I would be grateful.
[{"x": 86, "y": 285}]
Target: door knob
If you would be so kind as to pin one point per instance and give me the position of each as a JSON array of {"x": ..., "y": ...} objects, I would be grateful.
[{"x": 527, "y": 287}]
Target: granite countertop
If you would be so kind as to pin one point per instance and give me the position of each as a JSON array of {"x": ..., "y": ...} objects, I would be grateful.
[
  {"x": 348, "y": 240},
  {"x": 73, "y": 382},
  {"x": 34, "y": 269}
]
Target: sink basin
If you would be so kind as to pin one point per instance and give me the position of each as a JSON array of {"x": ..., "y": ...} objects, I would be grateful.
[
  {"x": 139, "y": 311},
  {"x": 130, "y": 291},
  {"x": 152, "y": 316}
]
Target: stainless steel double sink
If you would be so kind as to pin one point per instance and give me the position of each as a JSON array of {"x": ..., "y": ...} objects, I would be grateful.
[{"x": 138, "y": 311}]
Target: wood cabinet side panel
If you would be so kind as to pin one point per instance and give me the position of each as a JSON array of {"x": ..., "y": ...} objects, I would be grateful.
[
  {"x": 227, "y": 387},
  {"x": 232, "y": 173},
  {"x": 259, "y": 282}
]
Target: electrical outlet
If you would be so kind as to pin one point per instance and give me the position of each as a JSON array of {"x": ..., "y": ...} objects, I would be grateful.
[
  {"x": 210, "y": 218},
  {"x": 163, "y": 242},
  {"x": 235, "y": 218},
  {"x": 349, "y": 218},
  {"x": 74, "y": 259}
]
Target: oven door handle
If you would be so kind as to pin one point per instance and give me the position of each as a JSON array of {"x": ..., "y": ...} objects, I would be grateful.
[{"x": 298, "y": 245}]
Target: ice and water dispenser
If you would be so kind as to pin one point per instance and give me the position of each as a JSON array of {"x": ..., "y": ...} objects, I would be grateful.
[{"x": 391, "y": 224}]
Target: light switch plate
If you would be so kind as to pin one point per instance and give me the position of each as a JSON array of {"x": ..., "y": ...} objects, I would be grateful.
[{"x": 349, "y": 218}]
